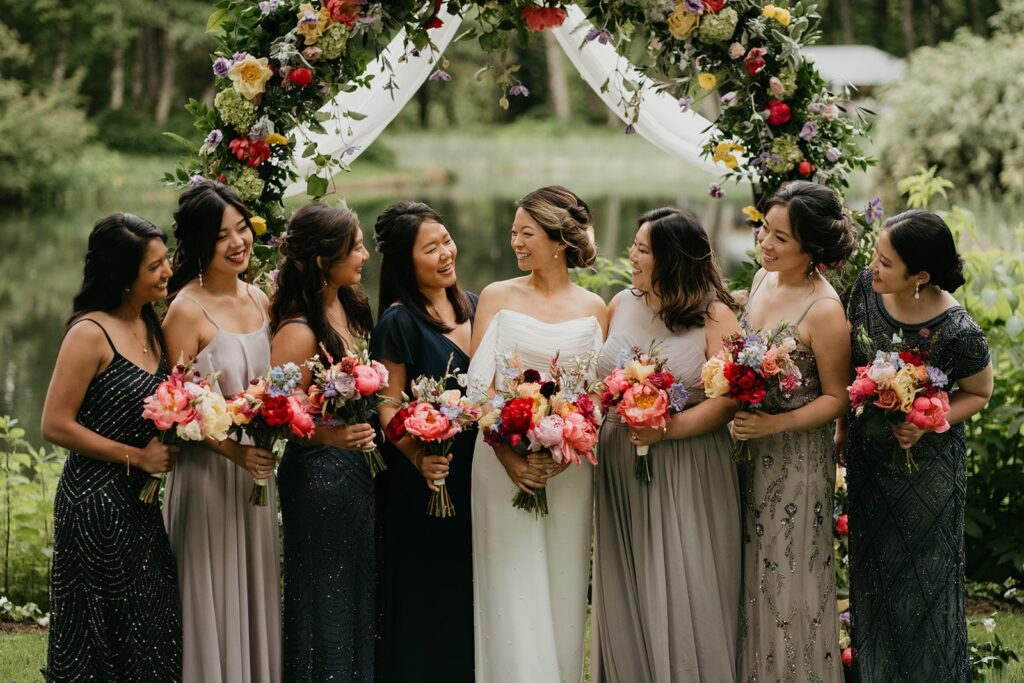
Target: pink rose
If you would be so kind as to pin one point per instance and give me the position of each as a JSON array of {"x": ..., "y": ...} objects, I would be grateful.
[
  {"x": 770, "y": 366},
  {"x": 368, "y": 380},
  {"x": 427, "y": 423},
  {"x": 381, "y": 371},
  {"x": 790, "y": 382},
  {"x": 930, "y": 413},
  {"x": 862, "y": 388}
]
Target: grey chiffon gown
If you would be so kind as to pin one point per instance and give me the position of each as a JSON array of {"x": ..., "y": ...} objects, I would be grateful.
[
  {"x": 667, "y": 555},
  {"x": 226, "y": 548}
]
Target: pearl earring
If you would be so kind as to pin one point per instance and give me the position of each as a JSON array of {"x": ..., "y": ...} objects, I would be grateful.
[
  {"x": 917, "y": 291},
  {"x": 200, "y": 279}
]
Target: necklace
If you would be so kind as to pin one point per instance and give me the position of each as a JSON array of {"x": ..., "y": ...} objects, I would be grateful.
[{"x": 145, "y": 349}]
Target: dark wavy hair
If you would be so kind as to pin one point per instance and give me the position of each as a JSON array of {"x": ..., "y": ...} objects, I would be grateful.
[
  {"x": 117, "y": 245},
  {"x": 821, "y": 224},
  {"x": 686, "y": 274},
  {"x": 328, "y": 233},
  {"x": 196, "y": 227},
  {"x": 565, "y": 218},
  {"x": 925, "y": 244},
  {"x": 395, "y": 234}
]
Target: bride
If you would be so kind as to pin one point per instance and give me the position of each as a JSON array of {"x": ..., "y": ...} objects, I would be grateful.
[{"x": 530, "y": 574}]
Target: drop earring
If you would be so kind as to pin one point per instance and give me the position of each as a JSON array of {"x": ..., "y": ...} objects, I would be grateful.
[
  {"x": 200, "y": 278},
  {"x": 917, "y": 290}
]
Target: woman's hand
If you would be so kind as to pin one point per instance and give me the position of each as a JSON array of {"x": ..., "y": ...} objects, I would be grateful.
[
  {"x": 547, "y": 464},
  {"x": 523, "y": 474},
  {"x": 645, "y": 436},
  {"x": 156, "y": 457},
  {"x": 256, "y": 461},
  {"x": 357, "y": 437},
  {"x": 755, "y": 425},
  {"x": 433, "y": 468},
  {"x": 907, "y": 434}
]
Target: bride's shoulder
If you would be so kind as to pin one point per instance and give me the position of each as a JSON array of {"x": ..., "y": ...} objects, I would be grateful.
[{"x": 590, "y": 303}]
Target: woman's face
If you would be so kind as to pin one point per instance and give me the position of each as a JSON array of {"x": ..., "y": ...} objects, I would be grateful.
[
  {"x": 533, "y": 248},
  {"x": 642, "y": 258},
  {"x": 780, "y": 250},
  {"x": 888, "y": 271},
  {"x": 348, "y": 270},
  {"x": 234, "y": 244},
  {"x": 433, "y": 256},
  {"x": 154, "y": 271}
]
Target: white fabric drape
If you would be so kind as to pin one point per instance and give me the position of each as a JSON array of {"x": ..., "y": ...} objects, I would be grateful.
[{"x": 679, "y": 134}]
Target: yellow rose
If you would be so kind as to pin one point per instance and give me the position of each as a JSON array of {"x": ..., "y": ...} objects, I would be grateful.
[
  {"x": 310, "y": 31},
  {"x": 275, "y": 139},
  {"x": 778, "y": 14},
  {"x": 249, "y": 76},
  {"x": 488, "y": 420},
  {"x": 528, "y": 390},
  {"x": 713, "y": 377},
  {"x": 259, "y": 224},
  {"x": 707, "y": 81},
  {"x": 541, "y": 408},
  {"x": 681, "y": 23},
  {"x": 753, "y": 214},
  {"x": 561, "y": 407},
  {"x": 725, "y": 152},
  {"x": 904, "y": 385},
  {"x": 638, "y": 370},
  {"x": 236, "y": 411}
]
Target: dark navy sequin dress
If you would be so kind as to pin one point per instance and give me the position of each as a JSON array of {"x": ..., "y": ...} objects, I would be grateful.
[{"x": 116, "y": 614}]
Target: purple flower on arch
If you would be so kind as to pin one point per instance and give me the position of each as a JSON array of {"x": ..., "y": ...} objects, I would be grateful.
[
  {"x": 716, "y": 191},
  {"x": 874, "y": 211},
  {"x": 268, "y": 7},
  {"x": 693, "y": 6},
  {"x": 221, "y": 66},
  {"x": 685, "y": 103},
  {"x": 765, "y": 158},
  {"x": 600, "y": 35},
  {"x": 833, "y": 154},
  {"x": 214, "y": 138},
  {"x": 809, "y": 131},
  {"x": 630, "y": 129},
  {"x": 519, "y": 89},
  {"x": 440, "y": 75},
  {"x": 239, "y": 56}
]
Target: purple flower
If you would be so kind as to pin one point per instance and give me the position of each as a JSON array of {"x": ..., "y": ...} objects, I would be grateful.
[
  {"x": 309, "y": 18},
  {"x": 345, "y": 385},
  {"x": 846, "y": 618},
  {"x": 351, "y": 149},
  {"x": 196, "y": 180},
  {"x": 874, "y": 211},
  {"x": 677, "y": 397},
  {"x": 693, "y": 6},
  {"x": 600, "y": 35},
  {"x": 765, "y": 158},
  {"x": 685, "y": 103},
  {"x": 809, "y": 131},
  {"x": 519, "y": 89},
  {"x": 833, "y": 154},
  {"x": 716, "y": 191},
  {"x": 221, "y": 66},
  {"x": 630, "y": 129},
  {"x": 239, "y": 56},
  {"x": 268, "y": 7},
  {"x": 729, "y": 99},
  {"x": 450, "y": 411},
  {"x": 214, "y": 138},
  {"x": 938, "y": 377},
  {"x": 814, "y": 107},
  {"x": 440, "y": 75}
]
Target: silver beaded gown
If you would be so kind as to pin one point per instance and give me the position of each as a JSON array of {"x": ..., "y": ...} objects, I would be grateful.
[
  {"x": 115, "y": 613},
  {"x": 789, "y": 623}
]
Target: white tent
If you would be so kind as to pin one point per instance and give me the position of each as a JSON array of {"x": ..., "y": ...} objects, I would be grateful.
[{"x": 858, "y": 65}]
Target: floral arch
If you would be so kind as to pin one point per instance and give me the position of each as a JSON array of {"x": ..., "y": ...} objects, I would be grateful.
[{"x": 280, "y": 64}]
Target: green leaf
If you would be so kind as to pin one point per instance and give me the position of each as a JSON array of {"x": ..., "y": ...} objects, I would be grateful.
[
  {"x": 354, "y": 115},
  {"x": 316, "y": 186},
  {"x": 184, "y": 142},
  {"x": 216, "y": 21}
]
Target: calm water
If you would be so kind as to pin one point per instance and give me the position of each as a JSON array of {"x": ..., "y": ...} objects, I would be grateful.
[{"x": 41, "y": 263}]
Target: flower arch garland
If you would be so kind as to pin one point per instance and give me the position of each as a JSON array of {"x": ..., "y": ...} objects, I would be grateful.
[{"x": 279, "y": 61}]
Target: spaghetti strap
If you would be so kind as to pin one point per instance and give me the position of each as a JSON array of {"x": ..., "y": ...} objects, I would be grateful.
[
  {"x": 808, "y": 309},
  {"x": 201, "y": 308},
  {"x": 289, "y": 321},
  {"x": 754, "y": 286},
  {"x": 103, "y": 330},
  {"x": 248, "y": 289}
]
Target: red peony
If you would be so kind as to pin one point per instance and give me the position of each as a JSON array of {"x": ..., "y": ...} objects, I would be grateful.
[
  {"x": 344, "y": 11},
  {"x": 806, "y": 168},
  {"x": 515, "y": 418},
  {"x": 713, "y": 6},
  {"x": 842, "y": 525},
  {"x": 849, "y": 654},
  {"x": 540, "y": 18},
  {"x": 301, "y": 76},
  {"x": 585, "y": 405},
  {"x": 277, "y": 410},
  {"x": 252, "y": 152},
  {"x": 661, "y": 380},
  {"x": 395, "y": 430},
  {"x": 910, "y": 358},
  {"x": 754, "y": 61},
  {"x": 778, "y": 113}
]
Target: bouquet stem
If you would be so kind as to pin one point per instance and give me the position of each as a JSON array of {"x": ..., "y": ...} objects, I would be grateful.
[
  {"x": 537, "y": 503},
  {"x": 375, "y": 461},
  {"x": 150, "y": 493},
  {"x": 904, "y": 458},
  {"x": 259, "y": 495},
  {"x": 741, "y": 451},
  {"x": 440, "y": 503},
  {"x": 642, "y": 466}
]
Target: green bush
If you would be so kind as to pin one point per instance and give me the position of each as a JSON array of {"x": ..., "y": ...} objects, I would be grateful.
[{"x": 134, "y": 132}]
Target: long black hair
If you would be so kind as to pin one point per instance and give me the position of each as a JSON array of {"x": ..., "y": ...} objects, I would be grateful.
[
  {"x": 686, "y": 274},
  {"x": 117, "y": 245},
  {"x": 330, "y": 234},
  {"x": 196, "y": 227},
  {"x": 925, "y": 244},
  {"x": 395, "y": 234}
]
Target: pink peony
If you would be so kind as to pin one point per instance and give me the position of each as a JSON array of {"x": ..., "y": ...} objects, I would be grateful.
[
  {"x": 791, "y": 381},
  {"x": 580, "y": 437},
  {"x": 547, "y": 433},
  {"x": 617, "y": 382},
  {"x": 930, "y": 413},
  {"x": 381, "y": 371},
  {"x": 301, "y": 423},
  {"x": 368, "y": 380},
  {"x": 427, "y": 423},
  {"x": 863, "y": 387},
  {"x": 644, "y": 406},
  {"x": 169, "y": 405}
]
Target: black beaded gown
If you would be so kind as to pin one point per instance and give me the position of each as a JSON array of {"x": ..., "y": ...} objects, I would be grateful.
[
  {"x": 425, "y": 594},
  {"x": 115, "y": 611},
  {"x": 329, "y": 618},
  {"x": 907, "y": 529}
]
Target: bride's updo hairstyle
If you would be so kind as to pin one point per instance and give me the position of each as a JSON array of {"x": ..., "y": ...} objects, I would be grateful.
[
  {"x": 925, "y": 245},
  {"x": 565, "y": 218},
  {"x": 820, "y": 222}
]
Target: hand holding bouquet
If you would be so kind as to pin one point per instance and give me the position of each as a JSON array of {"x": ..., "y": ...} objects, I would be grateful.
[
  {"x": 345, "y": 392},
  {"x": 434, "y": 418},
  {"x": 747, "y": 368},
  {"x": 269, "y": 411},
  {"x": 184, "y": 407},
  {"x": 644, "y": 394},
  {"x": 900, "y": 386}
]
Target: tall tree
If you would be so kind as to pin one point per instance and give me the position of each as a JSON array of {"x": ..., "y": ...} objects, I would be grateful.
[
  {"x": 558, "y": 84},
  {"x": 168, "y": 72},
  {"x": 907, "y": 23},
  {"x": 846, "y": 19}
]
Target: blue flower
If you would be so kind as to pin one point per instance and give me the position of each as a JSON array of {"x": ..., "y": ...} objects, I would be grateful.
[
  {"x": 677, "y": 397},
  {"x": 450, "y": 411},
  {"x": 600, "y": 35}
]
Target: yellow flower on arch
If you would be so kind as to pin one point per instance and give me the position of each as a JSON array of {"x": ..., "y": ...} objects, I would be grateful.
[
  {"x": 753, "y": 214},
  {"x": 779, "y": 14},
  {"x": 275, "y": 139},
  {"x": 725, "y": 153},
  {"x": 682, "y": 23},
  {"x": 259, "y": 225},
  {"x": 707, "y": 81},
  {"x": 312, "y": 23},
  {"x": 249, "y": 76}
]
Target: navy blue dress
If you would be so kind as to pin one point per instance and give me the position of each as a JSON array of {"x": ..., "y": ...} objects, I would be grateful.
[{"x": 425, "y": 589}]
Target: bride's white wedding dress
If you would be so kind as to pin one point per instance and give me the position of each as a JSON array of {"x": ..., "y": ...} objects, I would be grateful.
[{"x": 530, "y": 575}]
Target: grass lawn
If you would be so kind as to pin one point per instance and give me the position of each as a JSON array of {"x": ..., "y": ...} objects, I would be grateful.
[{"x": 23, "y": 654}]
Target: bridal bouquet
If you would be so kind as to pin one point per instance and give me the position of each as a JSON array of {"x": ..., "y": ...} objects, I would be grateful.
[
  {"x": 644, "y": 394},
  {"x": 531, "y": 414},
  {"x": 345, "y": 392},
  {"x": 184, "y": 407},
  {"x": 747, "y": 368},
  {"x": 269, "y": 411},
  {"x": 900, "y": 386},
  {"x": 434, "y": 418}
]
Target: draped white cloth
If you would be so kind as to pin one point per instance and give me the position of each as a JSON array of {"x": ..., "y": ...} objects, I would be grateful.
[{"x": 679, "y": 134}]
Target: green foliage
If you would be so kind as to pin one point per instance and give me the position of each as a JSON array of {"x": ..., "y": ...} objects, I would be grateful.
[
  {"x": 20, "y": 614},
  {"x": 988, "y": 656},
  {"x": 132, "y": 131},
  {"x": 606, "y": 276},
  {"x": 28, "y": 480}
]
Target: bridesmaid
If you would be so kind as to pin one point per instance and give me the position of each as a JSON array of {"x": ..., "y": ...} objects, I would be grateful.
[
  {"x": 789, "y": 624},
  {"x": 907, "y": 528},
  {"x": 426, "y": 322},
  {"x": 226, "y": 547},
  {"x": 326, "y": 488},
  {"x": 114, "y": 593},
  {"x": 667, "y": 554}
]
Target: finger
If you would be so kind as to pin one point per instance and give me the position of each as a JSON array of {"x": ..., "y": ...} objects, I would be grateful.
[
  {"x": 524, "y": 488},
  {"x": 432, "y": 486}
]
